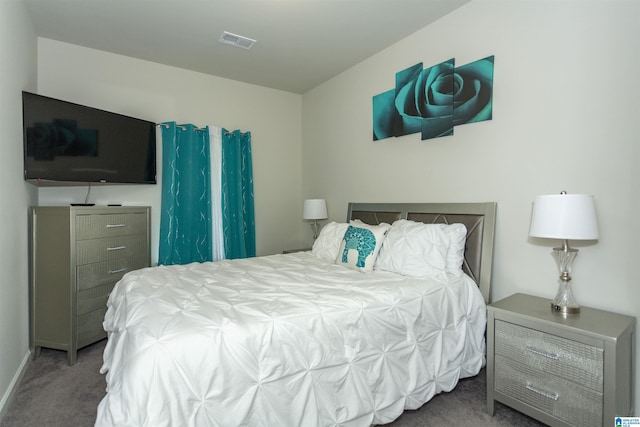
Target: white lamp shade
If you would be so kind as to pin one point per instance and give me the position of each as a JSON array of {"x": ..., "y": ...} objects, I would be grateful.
[
  {"x": 564, "y": 216},
  {"x": 314, "y": 209}
]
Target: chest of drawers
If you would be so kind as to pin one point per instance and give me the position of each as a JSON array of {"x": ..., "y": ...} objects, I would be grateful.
[
  {"x": 574, "y": 370},
  {"x": 77, "y": 256}
]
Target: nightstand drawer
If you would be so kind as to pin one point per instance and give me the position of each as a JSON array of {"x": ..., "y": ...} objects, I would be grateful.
[
  {"x": 562, "y": 399},
  {"x": 550, "y": 354}
]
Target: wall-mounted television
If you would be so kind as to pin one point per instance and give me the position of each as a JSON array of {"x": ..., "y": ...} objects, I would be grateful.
[{"x": 72, "y": 144}]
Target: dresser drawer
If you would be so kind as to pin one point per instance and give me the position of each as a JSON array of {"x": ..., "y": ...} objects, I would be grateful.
[
  {"x": 101, "y": 273},
  {"x": 106, "y": 225},
  {"x": 110, "y": 248},
  {"x": 93, "y": 298},
  {"x": 90, "y": 327},
  {"x": 571, "y": 360},
  {"x": 576, "y": 405}
]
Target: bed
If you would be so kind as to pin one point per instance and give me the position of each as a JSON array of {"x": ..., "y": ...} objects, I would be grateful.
[{"x": 324, "y": 337}]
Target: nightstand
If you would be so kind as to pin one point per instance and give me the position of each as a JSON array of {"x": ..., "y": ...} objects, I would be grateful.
[
  {"x": 289, "y": 251},
  {"x": 575, "y": 370}
]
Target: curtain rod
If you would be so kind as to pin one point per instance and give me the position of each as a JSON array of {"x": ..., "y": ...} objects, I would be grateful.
[
  {"x": 178, "y": 126},
  {"x": 197, "y": 128},
  {"x": 231, "y": 133}
]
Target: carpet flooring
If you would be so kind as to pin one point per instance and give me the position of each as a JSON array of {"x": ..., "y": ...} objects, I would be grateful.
[{"x": 54, "y": 394}]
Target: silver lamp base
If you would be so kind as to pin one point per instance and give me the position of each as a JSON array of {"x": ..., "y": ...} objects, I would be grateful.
[
  {"x": 314, "y": 226},
  {"x": 564, "y": 302},
  {"x": 564, "y": 309}
]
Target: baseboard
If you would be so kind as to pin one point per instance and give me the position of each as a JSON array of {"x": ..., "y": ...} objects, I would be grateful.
[{"x": 6, "y": 400}]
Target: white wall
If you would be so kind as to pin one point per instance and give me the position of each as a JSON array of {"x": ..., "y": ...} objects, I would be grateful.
[
  {"x": 566, "y": 117},
  {"x": 17, "y": 72},
  {"x": 161, "y": 93}
]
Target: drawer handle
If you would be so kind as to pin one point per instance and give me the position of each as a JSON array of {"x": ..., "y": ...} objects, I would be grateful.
[
  {"x": 539, "y": 352},
  {"x": 116, "y": 248},
  {"x": 544, "y": 393},
  {"x": 116, "y": 225},
  {"x": 120, "y": 270}
]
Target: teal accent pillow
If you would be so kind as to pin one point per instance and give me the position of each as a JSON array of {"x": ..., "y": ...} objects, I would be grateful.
[{"x": 360, "y": 245}]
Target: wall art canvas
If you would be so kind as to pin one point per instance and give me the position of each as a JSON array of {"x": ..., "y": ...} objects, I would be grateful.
[{"x": 434, "y": 100}]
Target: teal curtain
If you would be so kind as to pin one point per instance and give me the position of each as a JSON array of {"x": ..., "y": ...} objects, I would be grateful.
[
  {"x": 185, "y": 218},
  {"x": 238, "y": 217}
]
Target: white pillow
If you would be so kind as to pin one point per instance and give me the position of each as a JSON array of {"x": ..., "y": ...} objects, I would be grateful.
[
  {"x": 360, "y": 245},
  {"x": 415, "y": 249},
  {"x": 328, "y": 242},
  {"x": 457, "y": 241}
]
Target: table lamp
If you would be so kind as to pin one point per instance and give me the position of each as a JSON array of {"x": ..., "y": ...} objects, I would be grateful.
[
  {"x": 565, "y": 217},
  {"x": 314, "y": 209}
]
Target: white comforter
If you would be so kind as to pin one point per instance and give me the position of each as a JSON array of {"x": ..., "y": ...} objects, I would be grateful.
[{"x": 283, "y": 340}]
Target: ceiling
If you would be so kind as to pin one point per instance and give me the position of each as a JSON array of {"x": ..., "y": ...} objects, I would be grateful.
[{"x": 300, "y": 43}]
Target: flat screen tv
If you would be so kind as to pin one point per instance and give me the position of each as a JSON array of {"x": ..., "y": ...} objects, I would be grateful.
[{"x": 71, "y": 144}]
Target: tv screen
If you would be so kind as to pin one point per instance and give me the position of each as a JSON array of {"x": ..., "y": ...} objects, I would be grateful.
[{"x": 67, "y": 143}]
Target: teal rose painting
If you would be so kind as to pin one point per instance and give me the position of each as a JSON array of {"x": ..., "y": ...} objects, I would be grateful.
[{"x": 433, "y": 100}]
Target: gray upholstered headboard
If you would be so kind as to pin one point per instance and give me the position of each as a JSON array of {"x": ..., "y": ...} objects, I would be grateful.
[{"x": 479, "y": 218}]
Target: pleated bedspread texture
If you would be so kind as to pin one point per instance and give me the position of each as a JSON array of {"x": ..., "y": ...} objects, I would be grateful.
[{"x": 284, "y": 340}]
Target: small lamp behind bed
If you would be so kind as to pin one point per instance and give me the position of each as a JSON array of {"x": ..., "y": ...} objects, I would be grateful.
[
  {"x": 566, "y": 217},
  {"x": 314, "y": 209}
]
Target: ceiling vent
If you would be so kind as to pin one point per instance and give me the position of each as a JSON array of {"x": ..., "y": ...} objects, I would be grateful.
[{"x": 236, "y": 40}]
